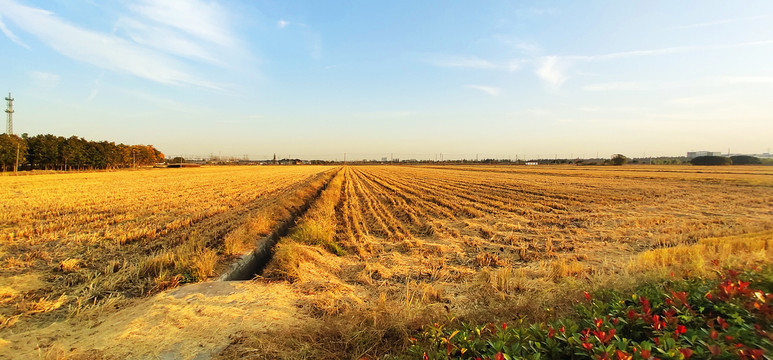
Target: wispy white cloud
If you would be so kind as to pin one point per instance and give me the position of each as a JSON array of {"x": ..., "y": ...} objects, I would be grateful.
[
  {"x": 472, "y": 62},
  {"x": 114, "y": 53},
  {"x": 191, "y": 29},
  {"x": 167, "y": 104},
  {"x": 44, "y": 80},
  {"x": 311, "y": 37},
  {"x": 166, "y": 40},
  {"x": 633, "y": 53},
  {"x": 721, "y": 22},
  {"x": 92, "y": 94},
  {"x": 611, "y": 109},
  {"x": 8, "y": 33},
  {"x": 748, "y": 80},
  {"x": 204, "y": 20},
  {"x": 551, "y": 70},
  {"x": 666, "y": 85},
  {"x": 463, "y": 62},
  {"x": 491, "y": 90},
  {"x": 95, "y": 89},
  {"x": 697, "y": 100},
  {"x": 528, "y": 48},
  {"x": 387, "y": 114},
  {"x": 539, "y": 112},
  {"x": 232, "y": 121},
  {"x": 669, "y": 50},
  {"x": 536, "y": 11},
  {"x": 315, "y": 44},
  {"x": 748, "y": 43},
  {"x": 618, "y": 86}
]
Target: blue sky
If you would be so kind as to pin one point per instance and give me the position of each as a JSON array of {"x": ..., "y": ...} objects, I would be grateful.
[{"x": 316, "y": 79}]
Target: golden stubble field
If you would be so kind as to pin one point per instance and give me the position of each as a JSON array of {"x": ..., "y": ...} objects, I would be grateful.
[
  {"x": 77, "y": 240},
  {"x": 493, "y": 243},
  {"x": 381, "y": 251}
]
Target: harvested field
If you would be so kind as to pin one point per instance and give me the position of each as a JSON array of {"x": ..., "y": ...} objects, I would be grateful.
[
  {"x": 477, "y": 242},
  {"x": 75, "y": 241},
  {"x": 380, "y": 252},
  {"x": 446, "y": 224},
  {"x": 522, "y": 210}
]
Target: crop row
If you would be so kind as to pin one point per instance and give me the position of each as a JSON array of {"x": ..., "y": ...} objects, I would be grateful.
[
  {"x": 527, "y": 210},
  {"x": 91, "y": 237}
]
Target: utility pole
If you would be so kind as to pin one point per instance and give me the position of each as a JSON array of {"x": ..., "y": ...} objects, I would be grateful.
[
  {"x": 344, "y": 158},
  {"x": 17, "y": 159}
]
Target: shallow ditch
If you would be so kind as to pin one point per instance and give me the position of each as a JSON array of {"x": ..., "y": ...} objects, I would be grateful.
[{"x": 254, "y": 262}]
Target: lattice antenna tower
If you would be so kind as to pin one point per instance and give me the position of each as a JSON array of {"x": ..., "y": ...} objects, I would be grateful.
[{"x": 9, "y": 111}]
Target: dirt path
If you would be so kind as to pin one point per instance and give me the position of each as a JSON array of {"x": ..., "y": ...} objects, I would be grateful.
[{"x": 191, "y": 322}]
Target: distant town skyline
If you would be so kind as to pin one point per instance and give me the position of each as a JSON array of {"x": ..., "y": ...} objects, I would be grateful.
[{"x": 316, "y": 80}]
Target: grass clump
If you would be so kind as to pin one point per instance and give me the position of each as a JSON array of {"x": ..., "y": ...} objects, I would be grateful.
[
  {"x": 317, "y": 232},
  {"x": 318, "y": 226}
]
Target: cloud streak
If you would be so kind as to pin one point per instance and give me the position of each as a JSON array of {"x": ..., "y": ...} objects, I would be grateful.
[
  {"x": 143, "y": 55},
  {"x": 11, "y": 35},
  {"x": 44, "y": 80},
  {"x": 491, "y": 90},
  {"x": 166, "y": 40},
  {"x": 200, "y": 20},
  {"x": 721, "y": 22},
  {"x": 551, "y": 70},
  {"x": 748, "y": 80},
  {"x": 617, "y": 86},
  {"x": 472, "y": 62}
]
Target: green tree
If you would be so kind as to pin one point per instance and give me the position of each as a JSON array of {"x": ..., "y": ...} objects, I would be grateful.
[
  {"x": 619, "y": 159},
  {"x": 745, "y": 160},
  {"x": 56, "y": 152},
  {"x": 72, "y": 152},
  {"x": 12, "y": 146},
  {"x": 711, "y": 160},
  {"x": 43, "y": 151}
]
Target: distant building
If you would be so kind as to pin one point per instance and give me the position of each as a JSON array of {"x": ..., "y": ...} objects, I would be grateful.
[
  {"x": 695, "y": 154},
  {"x": 290, "y": 162},
  {"x": 532, "y": 163}
]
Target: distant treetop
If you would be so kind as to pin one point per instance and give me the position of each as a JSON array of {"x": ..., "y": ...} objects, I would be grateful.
[{"x": 711, "y": 160}]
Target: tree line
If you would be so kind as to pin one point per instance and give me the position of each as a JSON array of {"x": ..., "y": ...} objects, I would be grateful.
[
  {"x": 721, "y": 160},
  {"x": 50, "y": 152}
]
